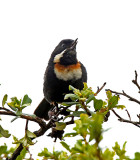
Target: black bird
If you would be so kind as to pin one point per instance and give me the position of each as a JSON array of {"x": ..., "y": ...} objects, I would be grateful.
[{"x": 63, "y": 70}]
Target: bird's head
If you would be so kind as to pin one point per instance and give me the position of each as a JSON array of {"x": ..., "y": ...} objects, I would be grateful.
[{"x": 65, "y": 52}]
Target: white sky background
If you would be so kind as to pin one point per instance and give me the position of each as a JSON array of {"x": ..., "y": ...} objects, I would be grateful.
[{"x": 108, "y": 35}]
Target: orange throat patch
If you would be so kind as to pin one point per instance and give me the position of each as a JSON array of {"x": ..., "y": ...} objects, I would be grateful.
[{"x": 70, "y": 72}]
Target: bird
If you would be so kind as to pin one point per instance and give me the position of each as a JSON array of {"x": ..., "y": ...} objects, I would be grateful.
[{"x": 63, "y": 70}]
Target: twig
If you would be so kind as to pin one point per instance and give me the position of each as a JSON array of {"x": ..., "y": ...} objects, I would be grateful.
[
  {"x": 26, "y": 127},
  {"x": 85, "y": 107},
  {"x": 38, "y": 133},
  {"x": 99, "y": 89},
  {"x": 126, "y": 95},
  {"x": 5, "y": 109},
  {"x": 36, "y": 119},
  {"x": 135, "y": 81},
  {"x": 29, "y": 153},
  {"x": 128, "y": 114},
  {"x": 125, "y": 120}
]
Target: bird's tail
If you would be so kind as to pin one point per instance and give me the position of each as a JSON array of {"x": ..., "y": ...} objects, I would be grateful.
[{"x": 43, "y": 109}]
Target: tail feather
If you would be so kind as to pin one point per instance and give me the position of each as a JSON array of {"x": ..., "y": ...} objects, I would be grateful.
[{"x": 43, "y": 109}]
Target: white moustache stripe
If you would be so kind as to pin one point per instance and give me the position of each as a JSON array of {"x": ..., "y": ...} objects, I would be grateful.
[{"x": 58, "y": 56}]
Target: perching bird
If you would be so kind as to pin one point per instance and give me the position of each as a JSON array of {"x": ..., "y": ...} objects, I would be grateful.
[{"x": 63, "y": 70}]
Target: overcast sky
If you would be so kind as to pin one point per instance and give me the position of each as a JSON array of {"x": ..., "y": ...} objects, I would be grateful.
[{"x": 108, "y": 35}]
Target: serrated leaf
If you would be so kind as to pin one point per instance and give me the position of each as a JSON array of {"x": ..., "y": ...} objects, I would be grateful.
[
  {"x": 90, "y": 98},
  {"x": 4, "y": 100},
  {"x": 4, "y": 133},
  {"x": 30, "y": 134},
  {"x": 60, "y": 125},
  {"x": 65, "y": 145}
]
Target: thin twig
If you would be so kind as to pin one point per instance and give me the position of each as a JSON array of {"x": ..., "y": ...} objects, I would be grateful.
[
  {"x": 99, "y": 89},
  {"x": 128, "y": 114},
  {"x": 125, "y": 120},
  {"x": 36, "y": 119},
  {"x": 126, "y": 95},
  {"x": 135, "y": 81}
]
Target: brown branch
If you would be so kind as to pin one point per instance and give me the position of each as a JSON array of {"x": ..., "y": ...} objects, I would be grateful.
[
  {"x": 126, "y": 95},
  {"x": 99, "y": 89},
  {"x": 135, "y": 81},
  {"x": 43, "y": 126},
  {"x": 128, "y": 114},
  {"x": 125, "y": 120},
  {"x": 36, "y": 119},
  {"x": 38, "y": 133},
  {"x": 85, "y": 107}
]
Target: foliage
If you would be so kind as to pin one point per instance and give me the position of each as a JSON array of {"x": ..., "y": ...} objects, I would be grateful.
[{"x": 88, "y": 113}]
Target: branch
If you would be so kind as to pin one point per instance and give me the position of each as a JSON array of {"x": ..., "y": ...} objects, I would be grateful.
[
  {"x": 126, "y": 95},
  {"x": 38, "y": 133},
  {"x": 99, "y": 89},
  {"x": 125, "y": 120},
  {"x": 135, "y": 81},
  {"x": 36, "y": 119},
  {"x": 43, "y": 125}
]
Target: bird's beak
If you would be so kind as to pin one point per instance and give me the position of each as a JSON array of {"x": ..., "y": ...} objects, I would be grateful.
[{"x": 74, "y": 44}]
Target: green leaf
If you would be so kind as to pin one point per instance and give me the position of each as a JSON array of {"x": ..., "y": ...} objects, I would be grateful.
[
  {"x": 98, "y": 104},
  {"x": 22, "y": 154},
  {"x": 78, "y": 113},
  {"x": 71, "y": 88},
  {"x": 73, "y": 134},
  {"x": 60, "y": 125},
  {"x": 137, "y": 156},
  {"x": 109, "y": 94},
  {"x": 30, "y": 134},
  {"x": 120, "y": 106},
  {"x": 18, "y": 112},
  {"x": 120, "y": 152},
  {"x": 4, "y": 100},
  {"x": 65, "y": 145},
  {"x": 45, "y": 153},
  {"x": 3, "y": 149},
  {"x": 95, "y": 127},
  {"x": 90, "y": 98},
  {"x": 4, "y": 133},
  {"x": 113, "y": 102},
  {"x": 26, "y": 101},
  {"x": 69, "y": 103},
  {"x": 15, "y": 103},
  {"x": 71, "y": 96}
]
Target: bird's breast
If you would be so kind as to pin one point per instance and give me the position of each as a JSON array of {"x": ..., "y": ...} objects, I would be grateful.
[{"x": 69, "y": 72}]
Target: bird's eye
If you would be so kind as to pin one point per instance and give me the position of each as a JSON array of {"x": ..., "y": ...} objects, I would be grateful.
[{"x": 63, "y": 45}]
